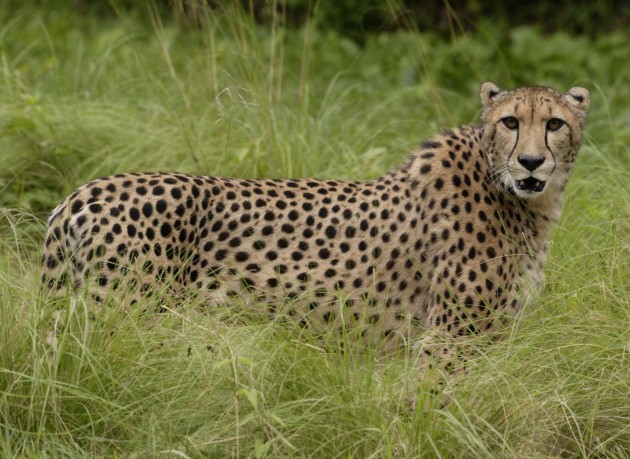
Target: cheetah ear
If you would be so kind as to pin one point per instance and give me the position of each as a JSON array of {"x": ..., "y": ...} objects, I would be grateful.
[
  {"x": 578, "y": 97},
  {"x": 488, "y": 92}
]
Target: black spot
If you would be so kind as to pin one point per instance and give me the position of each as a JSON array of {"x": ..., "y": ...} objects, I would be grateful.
[
  {"x": 283, "y": 243},
  {"x": 133, "y": 255},
  {"x": 95, "y": 208},
  {"x": 147, "y": 209},
  {"x": 489, "y": 284},
  {"x": 248, "y": 284},
  {"x": 430, "y": 145},
  {"x": 76, "y": 206},
  {"x": 160, "y": 206},
  {"x": 241, "y": 256},
  {"x": 253, "y": 267},
  {"x": 165, "y": 229},
  {"x": 121, "y": 249}
]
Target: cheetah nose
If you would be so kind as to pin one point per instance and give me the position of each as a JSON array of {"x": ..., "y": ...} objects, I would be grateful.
[{"x": 530, "y": 162}]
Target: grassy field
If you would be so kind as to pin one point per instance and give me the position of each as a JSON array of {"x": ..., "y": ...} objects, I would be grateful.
[{"x": 82, "y": 97}]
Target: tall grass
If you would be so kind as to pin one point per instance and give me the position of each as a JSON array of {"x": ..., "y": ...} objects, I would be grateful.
[{"x": 82, "y": 97}]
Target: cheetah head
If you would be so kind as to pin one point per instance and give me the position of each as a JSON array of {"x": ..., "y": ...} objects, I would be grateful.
[{"x": 532, "y": 135}]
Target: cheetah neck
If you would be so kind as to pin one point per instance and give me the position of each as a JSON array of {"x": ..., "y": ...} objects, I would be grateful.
[
  {"x": 548, "y": 213},
  {"x": 461, "y": 152}
]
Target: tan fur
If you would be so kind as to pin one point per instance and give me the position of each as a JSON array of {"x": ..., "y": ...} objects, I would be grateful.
[{"x": 437, "y": 249}]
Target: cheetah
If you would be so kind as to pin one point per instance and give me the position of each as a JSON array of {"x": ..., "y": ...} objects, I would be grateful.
[{"x": 450, "y": 244}]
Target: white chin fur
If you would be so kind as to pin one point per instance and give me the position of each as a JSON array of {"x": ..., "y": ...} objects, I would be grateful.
[{"x": 526, "y": 194}]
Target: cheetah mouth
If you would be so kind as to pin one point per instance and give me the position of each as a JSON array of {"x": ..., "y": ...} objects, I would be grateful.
[{"x": 530, "y": 184}]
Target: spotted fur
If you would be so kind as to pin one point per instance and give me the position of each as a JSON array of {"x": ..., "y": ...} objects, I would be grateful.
[{"x": 450, "y": 244}]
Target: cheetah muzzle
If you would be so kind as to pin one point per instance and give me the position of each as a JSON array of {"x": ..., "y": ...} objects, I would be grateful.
[{"x": 451, "y": 243}]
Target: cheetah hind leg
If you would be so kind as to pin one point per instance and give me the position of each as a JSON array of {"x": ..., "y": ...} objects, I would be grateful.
[
  {"x": 74, "y": 310},
  {"x": 67, "y": 310}
]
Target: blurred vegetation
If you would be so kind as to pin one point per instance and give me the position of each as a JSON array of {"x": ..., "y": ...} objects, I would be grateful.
[{"x": 359, "y": 18}]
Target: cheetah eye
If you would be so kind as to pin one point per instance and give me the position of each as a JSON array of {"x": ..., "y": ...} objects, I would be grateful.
[
  {"x": 554, "y": 124},
  {"x": 510, "y": 122}
]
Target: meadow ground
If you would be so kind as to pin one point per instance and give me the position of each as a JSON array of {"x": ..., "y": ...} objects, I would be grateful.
[{"x": 82, "y": 97}]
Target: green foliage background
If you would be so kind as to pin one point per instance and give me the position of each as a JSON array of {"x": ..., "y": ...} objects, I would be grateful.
[{"x": 290, "y": 91}]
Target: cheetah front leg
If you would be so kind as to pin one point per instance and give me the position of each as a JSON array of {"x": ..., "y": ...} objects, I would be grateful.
[
  {"x": 462, "y": 308},
  {"x": 438, "y": 354},
  {"x": 445, "y": 348},
  {"x": 441, "y": 355}
]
